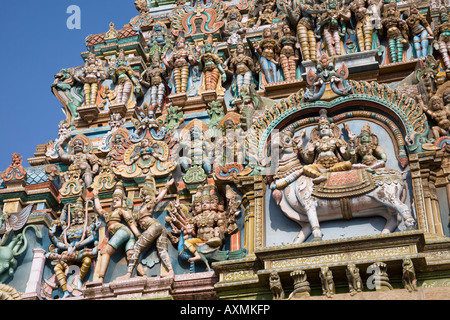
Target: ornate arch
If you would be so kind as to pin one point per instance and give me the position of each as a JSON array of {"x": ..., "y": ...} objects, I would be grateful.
[{"x": 399, "y": 113}]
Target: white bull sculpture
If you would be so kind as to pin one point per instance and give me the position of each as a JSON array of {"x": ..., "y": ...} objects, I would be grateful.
[{"x": 387, "y": 200}]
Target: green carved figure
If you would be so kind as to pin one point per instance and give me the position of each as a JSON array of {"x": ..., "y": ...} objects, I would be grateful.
[
  {"x": 67, "y": 90},
  {"x": 10, "y": 253}
]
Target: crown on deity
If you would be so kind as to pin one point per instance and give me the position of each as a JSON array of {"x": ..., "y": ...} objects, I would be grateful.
[
  {"x": 119, "y": 191},
  {"x": 323, "y": 118}
]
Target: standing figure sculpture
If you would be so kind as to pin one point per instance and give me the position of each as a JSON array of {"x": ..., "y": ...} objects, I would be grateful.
[
  {"x": 421, "y": 31},
  {"x": 123, "y": 76},
  {"x": 152, "y": 230},
  {"x": 443, "y": 41},
  {"x": 154, "y": 78},
  {"x": 288, "y": 52},
  {"x": 368, "y": 153},
  {"x": 242, "y": 66},
  {"x": 71, "y": 247},
  {"x": 211, "y": 65},
  {"x": 120, "y": 233},
  {"x": 80, "y": 158},
  {"x": 364, "y": 27},
  {"x": 439, "y": 113},
  {"x": 268, "y": 50},
  {"x": 304, "y": 18},
  {"x": 324, "y": 151},
  {"x": 91, "y": 75},
  {"x": 330, "y": 27},
  {"x": 179, "y": 62},
  {"x": 397, "y": 31}
]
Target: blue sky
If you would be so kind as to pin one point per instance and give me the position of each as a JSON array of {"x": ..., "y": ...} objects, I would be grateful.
[{"x": 35, "y": 45}]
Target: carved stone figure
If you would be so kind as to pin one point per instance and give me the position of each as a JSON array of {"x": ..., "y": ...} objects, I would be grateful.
[
  {"x": 276, "y": 287},
  {"x": 268, "y": 50},
  {"x": 368, "y": 153},
  {"x": 80, "y": 156},
  {"x": 120, "y": 233},
  {"x": 421, "y": 31},
  {"x": 324, "y": 151},
  {"x": 154, "y": 78},
  {"x": 355, "y": 283},
  {"x": 288, "y": 52},
  {"x": 409, "y": 275},
  {"x": 152, "y": 230},
  {"x": 204, "y": 225},
  {"x": 380, "y": 276},
  {"x": 180, "y": 62},
  {"x": 364, "y": 26},
  {"x": 301, "y": 285},
  {"x": 438, "y": 112},
  {"x": 307, "y": 202},
  {"x": 125, "y": 79},
  {"x": 267, "y": 13},
  {"x": 304, "y": 19},
  {"x": 396, "y": 31},
  {"x": 234, "y": 27},
  {"x": 211, "y": 65},
  {"x": 67, "y": 89},
  {"x": 76, "y": 244},
  {"x": 91, "y": 76},
  {"x": 329, "y": 26},
  {"x": 443, "y": 37},
  {"x": 196, "y": 151},
  {"x": 326, "y": 278},
  {"x": 242, "y": 66}
]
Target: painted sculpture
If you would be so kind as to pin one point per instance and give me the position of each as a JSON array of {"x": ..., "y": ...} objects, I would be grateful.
[
  {"x": 152, "y": 230},
  {"x": 125, "y": 79},
  {"x": 91, "y": 75},
  {"x": 364, "y": 26},
  {"x": 180, "y": 62},
  {"x": 396, "y": 32},
  {"x": 154, "y": 78},
  {"x": 80, "y": 157},
  {"x": 121, "y": 227},
  {"x": 243, "y": 67},
  {"x": 302, "y": 199},
  {"x": 268, "y": 50},
  {"x": 420, "y": 30},
  {"x": 75, "y": 244},
  {"x": 288, "y": 53},
  {"x": 443, "y": 37}
]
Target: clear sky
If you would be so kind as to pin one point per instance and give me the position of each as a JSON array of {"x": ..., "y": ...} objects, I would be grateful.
[{"x": 35, "y": 44}]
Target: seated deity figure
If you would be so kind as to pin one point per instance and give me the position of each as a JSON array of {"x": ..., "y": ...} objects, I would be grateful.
[
  {"x": 91, "y": 74},
  {"x": 196, "y": 151},
  {"x": 326, "y": 152},
  {"x": 206, "y": 226},
  {"x": 79, "y": 157},
  {"x": 443, "y": 37},
  {"x": 121, "y": 234},
  {"x": 421, "y": 31},
  {"x": 329, "y": 26},
  {"x": 368, "y": 153}
]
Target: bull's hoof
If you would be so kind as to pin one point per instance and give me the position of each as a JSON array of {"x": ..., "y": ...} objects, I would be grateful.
[{"x": 317, "y": 239}]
